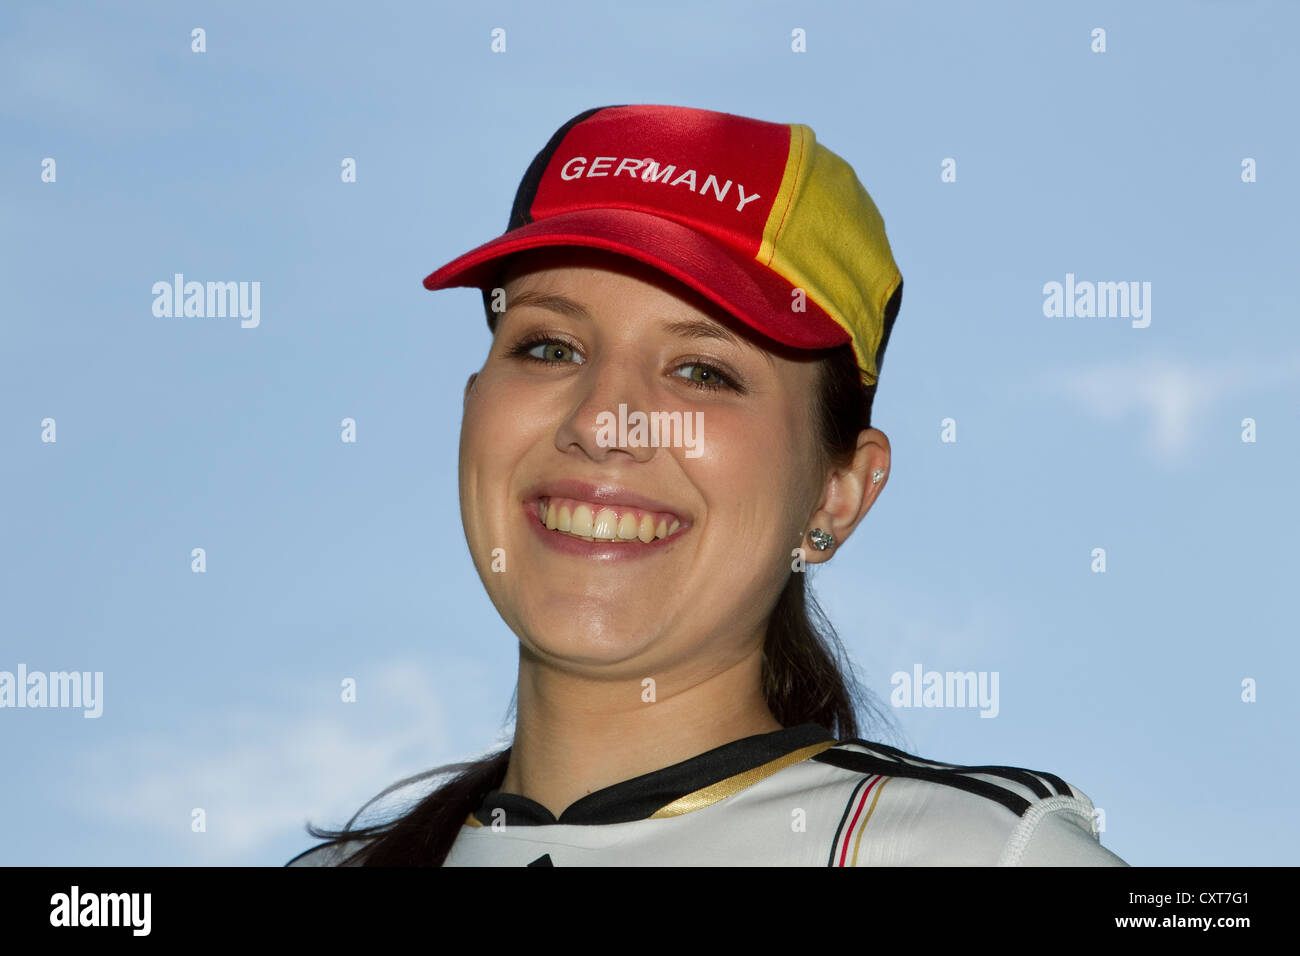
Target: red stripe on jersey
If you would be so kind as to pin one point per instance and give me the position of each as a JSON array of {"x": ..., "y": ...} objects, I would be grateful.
[{"x": 862, "y": 802}]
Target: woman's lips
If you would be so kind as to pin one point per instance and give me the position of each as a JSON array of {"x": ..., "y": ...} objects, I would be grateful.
[
  {"x": 600, "y": 495},
  {"x": 589, "y": 546},
  {"x": 601, "y": 518}
]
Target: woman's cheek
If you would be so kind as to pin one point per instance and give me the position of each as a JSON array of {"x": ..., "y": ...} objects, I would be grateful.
[
  {"x": 476, "y": 462},
  {"x": 734, "y": 454}
]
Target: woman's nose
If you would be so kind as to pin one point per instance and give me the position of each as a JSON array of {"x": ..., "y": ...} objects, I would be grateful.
[{"x": 612, "y": 397}]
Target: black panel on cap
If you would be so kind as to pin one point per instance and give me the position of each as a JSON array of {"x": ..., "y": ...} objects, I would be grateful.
[{"x": 521, "y": 213}]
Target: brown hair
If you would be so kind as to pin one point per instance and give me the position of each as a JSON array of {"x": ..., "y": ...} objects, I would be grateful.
[{"x": 806, "y": 675}]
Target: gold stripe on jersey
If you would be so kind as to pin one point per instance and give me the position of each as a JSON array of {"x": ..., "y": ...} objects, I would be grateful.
[
  {"x": 734, "y": 784},
  {"x": 862, "y": 827}
]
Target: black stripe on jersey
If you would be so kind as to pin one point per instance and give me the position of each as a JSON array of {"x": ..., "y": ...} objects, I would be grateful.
[
  {"x": 640, "y": 797},
  {"x": 1033, "y": 779},
  {"x": 871, "y": 764},
  {"x": 839, "y": 831},
  {"x": 1019, "y": 774}
]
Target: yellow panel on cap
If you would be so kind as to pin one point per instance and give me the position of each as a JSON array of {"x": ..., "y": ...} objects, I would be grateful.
[{"x": 825, "y": 235}]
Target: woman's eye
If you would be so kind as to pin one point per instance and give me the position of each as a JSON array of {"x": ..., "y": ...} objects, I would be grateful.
[
  {"x": 552, "y": 350},
  {"x": 704, "y": 376},
  {"x": 699, "y": 375}
]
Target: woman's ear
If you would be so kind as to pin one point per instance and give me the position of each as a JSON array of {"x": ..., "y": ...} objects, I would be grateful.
[{"x": 851, "y": 491}]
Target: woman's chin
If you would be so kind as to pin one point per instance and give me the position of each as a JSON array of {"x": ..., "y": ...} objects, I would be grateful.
[{"x": 597, "y": 637}]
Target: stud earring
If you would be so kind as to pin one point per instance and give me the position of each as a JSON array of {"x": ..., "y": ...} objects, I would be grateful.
[
  {"x": 877, "y": 476},
  {"x": 821, "y": 540}
]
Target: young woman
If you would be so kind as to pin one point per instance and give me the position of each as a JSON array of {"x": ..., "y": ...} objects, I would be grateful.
[{"x": 689, "y": 311}]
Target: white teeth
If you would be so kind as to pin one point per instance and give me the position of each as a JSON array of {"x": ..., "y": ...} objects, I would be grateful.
[
  {"x": 604, "y": 525},
  {"x": 581, "y": 521}
]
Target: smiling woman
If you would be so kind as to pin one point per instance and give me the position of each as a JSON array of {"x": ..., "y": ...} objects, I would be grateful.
[{"x": 681, "y": 700}]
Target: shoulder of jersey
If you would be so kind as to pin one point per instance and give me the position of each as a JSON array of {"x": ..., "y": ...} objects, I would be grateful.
[
  {"x": 901, "y": 809},
  {"x": 328, "y": 854}
]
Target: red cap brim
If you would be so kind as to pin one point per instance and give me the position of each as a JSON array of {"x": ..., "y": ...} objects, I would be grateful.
[{"x": 752, "y": 293}]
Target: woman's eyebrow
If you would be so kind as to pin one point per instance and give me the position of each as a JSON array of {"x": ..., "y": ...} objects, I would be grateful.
[
  {"x": 550, "y": 300},
  {"x": 700, "y": 329},
  {"x": 696, "y": 329},
  {"x": 686, "y": 328}
]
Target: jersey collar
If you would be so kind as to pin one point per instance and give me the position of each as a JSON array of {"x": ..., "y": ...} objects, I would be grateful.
[{"x": 672, "y": 791}]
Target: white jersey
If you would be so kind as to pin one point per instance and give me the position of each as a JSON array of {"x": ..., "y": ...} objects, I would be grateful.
[{"x": 793, "y": 797}]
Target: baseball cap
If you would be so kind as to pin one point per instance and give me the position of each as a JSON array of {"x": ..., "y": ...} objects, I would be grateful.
[{"x": 756, "y": 216}]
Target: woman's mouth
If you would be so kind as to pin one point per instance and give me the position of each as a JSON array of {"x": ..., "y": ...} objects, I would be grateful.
[{"x": 592, "y": 521}]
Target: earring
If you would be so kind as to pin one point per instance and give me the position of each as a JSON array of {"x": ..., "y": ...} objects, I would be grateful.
[
  {"x": 821, "y": 540},
  {"x": 877, "y": 476}
]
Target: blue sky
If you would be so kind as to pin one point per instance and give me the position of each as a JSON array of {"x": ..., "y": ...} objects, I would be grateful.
[{"x": 328, "y": 560}]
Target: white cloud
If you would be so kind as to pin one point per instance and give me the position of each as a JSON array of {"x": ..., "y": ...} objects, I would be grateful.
[
  {"x": 1174, "y": 396},
  {"x": 260, "y": 774}
]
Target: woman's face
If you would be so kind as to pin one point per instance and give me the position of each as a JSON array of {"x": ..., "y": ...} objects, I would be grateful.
[{"x": 708, "y": 519}]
